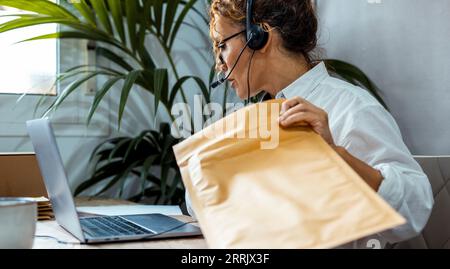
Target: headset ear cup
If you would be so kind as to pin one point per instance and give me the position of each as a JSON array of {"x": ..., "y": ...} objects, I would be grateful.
[
  {"x": 259, "y": 38},
  {"x": 256, "y": 36}
]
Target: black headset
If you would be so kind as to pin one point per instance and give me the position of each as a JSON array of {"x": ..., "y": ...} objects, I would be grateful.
[{"x": 255, "y": 33}]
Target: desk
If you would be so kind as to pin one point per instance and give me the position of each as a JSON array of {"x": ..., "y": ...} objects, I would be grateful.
[{"x": 51, "y": 228}]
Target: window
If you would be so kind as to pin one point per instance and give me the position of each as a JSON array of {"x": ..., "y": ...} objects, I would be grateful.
[{"x": 28, "y": 67}]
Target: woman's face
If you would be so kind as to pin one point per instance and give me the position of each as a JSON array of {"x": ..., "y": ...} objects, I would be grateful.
[{"x": 229, "y": 52}]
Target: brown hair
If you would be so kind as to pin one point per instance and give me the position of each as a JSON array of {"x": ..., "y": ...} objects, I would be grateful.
[{"x": 295, "y": 20}]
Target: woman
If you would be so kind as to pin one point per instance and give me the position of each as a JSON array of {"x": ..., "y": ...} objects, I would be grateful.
[{"x": 349, "y": 119}]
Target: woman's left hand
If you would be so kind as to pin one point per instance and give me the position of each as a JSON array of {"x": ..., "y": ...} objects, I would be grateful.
[{"x": 299, "y": 112}]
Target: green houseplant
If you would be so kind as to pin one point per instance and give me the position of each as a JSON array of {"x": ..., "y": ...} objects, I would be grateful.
[{"x": 120, "y": 27}]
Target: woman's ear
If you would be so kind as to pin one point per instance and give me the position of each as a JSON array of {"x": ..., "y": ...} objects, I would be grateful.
[{"x": 270, "y": 36}]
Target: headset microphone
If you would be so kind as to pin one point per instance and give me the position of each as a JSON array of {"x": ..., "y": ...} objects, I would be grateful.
[{"x": 217, "y": 83}]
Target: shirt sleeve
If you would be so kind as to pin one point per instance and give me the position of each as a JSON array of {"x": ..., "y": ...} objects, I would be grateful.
[{"x": 373, "y": 136}]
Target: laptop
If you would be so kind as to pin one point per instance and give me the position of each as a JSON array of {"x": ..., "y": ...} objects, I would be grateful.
[{"x": 96, "y": 229}]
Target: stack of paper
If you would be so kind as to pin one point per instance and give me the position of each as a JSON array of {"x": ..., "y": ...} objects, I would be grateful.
[{"x": 44, "y": 208}]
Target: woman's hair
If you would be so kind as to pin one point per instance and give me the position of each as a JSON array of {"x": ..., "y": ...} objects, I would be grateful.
[{"x": 295, "y": 20}]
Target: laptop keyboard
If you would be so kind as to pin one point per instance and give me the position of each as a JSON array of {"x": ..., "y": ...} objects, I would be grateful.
[{"x": 111, "y": 226}]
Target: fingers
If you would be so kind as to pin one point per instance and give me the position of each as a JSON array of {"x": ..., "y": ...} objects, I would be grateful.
[
  {"x": 299, "y": 112},
  {"x": 290, "y": 103},
  {"x": 295, "y": 105},
  {"x": 293, "y": 110},
  {"x": 298, "y": 119}
]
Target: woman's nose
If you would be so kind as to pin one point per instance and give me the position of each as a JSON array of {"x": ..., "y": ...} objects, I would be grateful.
[
  {"x": 223, "y": 68},
  {"x": 222, "y": 65}
]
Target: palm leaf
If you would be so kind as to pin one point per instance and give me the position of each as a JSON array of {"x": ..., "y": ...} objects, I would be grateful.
[
  {"x": 179, "y": 84},
  {"x": 157, "y": 15},
  {"x": 131, "y": 11},
  {"x": 128, "y": 84},
  {"x": 85, "y": 11},
  {"x": 145, "y": 169},
  {"x": 73, "y": 35},
  {"x": 170, "y": 11},
  {"x": 115, "y": 179},
  {"x": 113, "y": 57},
  {"x": 93, "y": 67},
  {"x": 102, "y": 13},
  {"x": 188, "y": 6},
  {"x": 125, "y": 174},
  {"x": 160, "y": 79},
  {"x": 23, "y": 22},
  {"x": 145, "y": 20},
  {"x": 101, "y": 174},
  {"x": 116, "y": 151},
  {"x": 117, "y": 15},
  {"x": 72, "y": 87},
  {"x": 200, "y": 14},
  {"x": 100, "y": 94},
  {"x": 43, "y": 7}
]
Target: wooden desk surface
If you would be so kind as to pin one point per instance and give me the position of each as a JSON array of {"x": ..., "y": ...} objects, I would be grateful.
[{"x": 56, "y": 232}]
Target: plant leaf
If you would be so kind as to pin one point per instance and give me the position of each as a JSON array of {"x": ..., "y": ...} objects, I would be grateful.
[
  {"x": 145, "y": 170},
  {"x": 99, "y": 96},
  {"x": 32, "y": 21},
  {"x": 179, "y": 84},
  {"x": 142, "y": 51},
  {"x": 212, "y": 72},
  {"x": 76, "y": 68},
  {"x": 125, "y": 175},
  {"x": 161, "y": 86},
  {"x": 85, "y": 11},
  {"x": 121, "y": 144},
  {"x": 40, "y": 6},
  {"x": 113, "y": 57},
  {"x": 117, "y": 15},
  {"x": 105, "y": 172},
  {"x": 115, "y": 179},
  {"x": 164, "y": 174},
  {"x": 72, "y": 87},
  {"x": 128, "y": 84},
  {"x": 170, "y": 11},
  {"x": 187, "y": 7},
  {"x": 131, "y": 10},
  {"x": 200, "y": 14},
  {"x": 157, "y": 14},
  {"x": 73, "y": 35},
  {"x": 174, "y": 187},
  {"x": 102, "y": 13}
]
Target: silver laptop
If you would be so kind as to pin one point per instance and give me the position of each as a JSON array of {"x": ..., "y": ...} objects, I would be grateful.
[{"x": 93, "y": 229}]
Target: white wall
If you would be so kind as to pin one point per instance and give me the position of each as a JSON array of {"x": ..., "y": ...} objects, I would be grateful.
[{"x": 403, "y": 45}]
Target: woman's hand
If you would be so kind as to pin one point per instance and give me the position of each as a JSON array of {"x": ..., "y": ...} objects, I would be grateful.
[{"x": 299, "y": 112}]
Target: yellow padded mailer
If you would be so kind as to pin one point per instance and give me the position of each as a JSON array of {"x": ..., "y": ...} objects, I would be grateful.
[{"x": 296, "y": 194}]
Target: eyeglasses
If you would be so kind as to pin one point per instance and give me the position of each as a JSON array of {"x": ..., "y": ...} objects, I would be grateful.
[{"x": 221, "y": 45}]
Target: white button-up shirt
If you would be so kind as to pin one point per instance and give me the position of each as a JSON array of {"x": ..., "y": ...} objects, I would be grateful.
[{"x": 367, "y": 131}]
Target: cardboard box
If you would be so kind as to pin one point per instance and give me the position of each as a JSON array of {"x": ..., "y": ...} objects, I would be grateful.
[{"x": 20, "y": 176}]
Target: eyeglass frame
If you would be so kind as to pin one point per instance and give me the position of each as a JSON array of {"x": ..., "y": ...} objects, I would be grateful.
[{"x": 225, "y": 40}]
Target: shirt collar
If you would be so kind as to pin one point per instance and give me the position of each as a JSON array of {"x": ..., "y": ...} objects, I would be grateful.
[{"x": 305, "y": 84}]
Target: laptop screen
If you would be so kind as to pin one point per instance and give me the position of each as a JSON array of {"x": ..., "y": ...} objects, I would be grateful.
[{"x": 55, "y": 179}]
